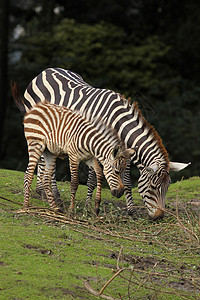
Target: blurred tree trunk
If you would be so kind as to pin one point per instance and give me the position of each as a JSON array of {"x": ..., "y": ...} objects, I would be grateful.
[{"x": 4, "y": 16}]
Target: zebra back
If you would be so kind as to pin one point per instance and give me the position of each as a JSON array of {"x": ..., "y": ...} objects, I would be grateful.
[{"x": 107, "y": 133}]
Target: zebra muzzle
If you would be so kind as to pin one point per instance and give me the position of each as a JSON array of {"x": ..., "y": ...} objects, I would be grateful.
[
  {"x": 118, "y": 192},
  {"x": 159, "y": 213}
]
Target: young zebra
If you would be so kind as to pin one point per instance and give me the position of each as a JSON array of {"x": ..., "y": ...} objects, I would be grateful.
[{"x": 56, "y": 131}]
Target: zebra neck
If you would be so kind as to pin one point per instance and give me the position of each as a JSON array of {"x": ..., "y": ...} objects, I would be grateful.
[
  {"x": 102, "y": 150},
  {"x": 148, "y": 144},
  {"x": 137, "y": 133}
]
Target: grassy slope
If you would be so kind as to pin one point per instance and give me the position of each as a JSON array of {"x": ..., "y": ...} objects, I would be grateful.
[{"x": 43, "y": 256}]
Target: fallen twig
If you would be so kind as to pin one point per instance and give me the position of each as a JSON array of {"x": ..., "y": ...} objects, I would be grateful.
[
  {"x": 18, "y": 203},
  {"x": 192, "y": 233},
  {"x": 96, "y": 293},
  {"x": 111, "y": 279}
]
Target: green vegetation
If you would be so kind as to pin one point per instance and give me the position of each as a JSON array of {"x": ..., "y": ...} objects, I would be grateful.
[
  {"x": 147, "y": 50},
  {"x": 44, "y": 255}
]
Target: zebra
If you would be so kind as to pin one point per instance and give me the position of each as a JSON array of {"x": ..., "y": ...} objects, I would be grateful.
[
  {"x": 66, "y": 88},
  {"x": 54, "y": 131}
]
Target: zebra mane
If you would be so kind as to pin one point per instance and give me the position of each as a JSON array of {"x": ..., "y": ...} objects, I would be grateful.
[
  {"x": 106, "y": 130},
  {"x": 135, "y": 111}
]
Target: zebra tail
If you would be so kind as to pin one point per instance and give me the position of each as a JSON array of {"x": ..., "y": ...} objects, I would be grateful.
[{"x": 19, "y": 101}]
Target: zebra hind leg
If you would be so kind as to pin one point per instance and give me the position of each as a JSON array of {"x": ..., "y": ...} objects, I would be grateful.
[
  {"x": 50, "y": 161},
  {"x": 35, "y": 151},
  {"x": 99, "y": 176},
  {"x": 40, "y": 174},
  {"x": 91, "y": 185},
  {"x": 39, "y": 186}
]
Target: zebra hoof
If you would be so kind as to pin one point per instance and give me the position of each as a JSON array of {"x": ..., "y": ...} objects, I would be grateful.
[
  {"x": 97, "y": 210},
  {"x": 71, "y": 212},
  {"x": 87, "y": 212},
  {"x": 60, "y": 206},
  {"x": 22, "y": 210},
  {"x": 55, "y": 209},
  {"x": 132, "y": 212}
]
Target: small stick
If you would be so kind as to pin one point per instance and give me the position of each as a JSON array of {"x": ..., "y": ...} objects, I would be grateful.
[
  {"x": 118, "y": 258},
  {"x": 95, "y": 293},
  {"x": 11, "y": 201},
  {"x": 111, "y": 279}
]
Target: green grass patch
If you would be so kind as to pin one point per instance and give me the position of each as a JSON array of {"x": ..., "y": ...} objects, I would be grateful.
[{"x": 44, "y": 255}]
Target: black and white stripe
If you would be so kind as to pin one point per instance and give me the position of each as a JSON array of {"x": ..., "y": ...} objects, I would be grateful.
[
  {"x": 54, "y": 131},
  {"x": 67, "y": 88}
]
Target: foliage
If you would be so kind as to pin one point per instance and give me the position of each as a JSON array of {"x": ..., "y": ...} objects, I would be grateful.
[
  {"x": 44, "y": 255},
  {"x": 147, "y": 50},
  {"x": 100, "y": 53}
]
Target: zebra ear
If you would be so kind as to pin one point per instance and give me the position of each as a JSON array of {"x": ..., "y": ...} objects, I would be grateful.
[
  {"x": 152, "y": 169},
  {"x": 174, "y": 166},
  {"x": 128, "y": 153}
]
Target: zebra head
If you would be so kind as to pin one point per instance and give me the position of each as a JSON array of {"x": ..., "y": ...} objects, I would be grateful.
[
  {"x": 114, "y": 168},
  {"x": 153, "y": 185}
]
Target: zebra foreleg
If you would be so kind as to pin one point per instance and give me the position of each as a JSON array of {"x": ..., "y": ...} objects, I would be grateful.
[
  {"x": 91, "y": 185},
  {"x": 55, "y": 190},
  {"x": 99, "y": 176},
  {"x": 74, "y": 182},
  {"x": 128, "y": 190}
]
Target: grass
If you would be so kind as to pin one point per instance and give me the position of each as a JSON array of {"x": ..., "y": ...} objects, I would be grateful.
[{"x": 50, "y": 256}]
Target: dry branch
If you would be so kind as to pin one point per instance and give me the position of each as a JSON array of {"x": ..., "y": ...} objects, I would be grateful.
[
  {"x": 96, "y": 293},
  {"x": 18, "y": 203},
  {"x": 111, "y": 279}
]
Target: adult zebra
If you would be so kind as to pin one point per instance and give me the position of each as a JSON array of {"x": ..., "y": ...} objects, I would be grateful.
[{"x": 67, "y": 88}]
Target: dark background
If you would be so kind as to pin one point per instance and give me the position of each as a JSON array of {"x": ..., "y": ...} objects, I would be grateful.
[{"x": 148, "y": 50}]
